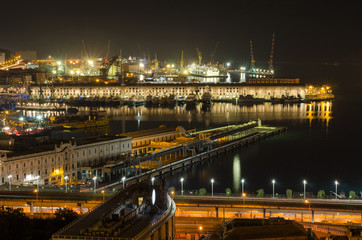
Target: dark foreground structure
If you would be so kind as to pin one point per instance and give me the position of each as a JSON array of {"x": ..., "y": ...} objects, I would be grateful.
[
  {"x": 272, "y": 228},
  {"x": 140, "y": 211}
]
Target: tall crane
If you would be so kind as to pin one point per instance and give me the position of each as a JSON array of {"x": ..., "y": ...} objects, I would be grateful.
[
  {"x": 108, "y": 47},
  {"x": 252, "y": 59},
  {"x": 182, "y": 61},
  {"x": 212, "y": 55},
  {"x": 199, "y": 55},
  {"x": 271, "y": 67},
  {"x": 85, "y": 50}
]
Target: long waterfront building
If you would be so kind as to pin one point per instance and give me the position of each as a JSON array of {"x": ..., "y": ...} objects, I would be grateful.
[{"x": 275, "y": 88}]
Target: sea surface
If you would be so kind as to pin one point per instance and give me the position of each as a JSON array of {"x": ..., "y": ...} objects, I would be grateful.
[{"x": 323, "y": 143}]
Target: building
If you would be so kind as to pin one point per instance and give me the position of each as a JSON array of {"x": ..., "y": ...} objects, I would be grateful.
[
  {"x": 141, "y": 140},
  {"x": 27, "y": 55},
  {"x": 2, "y": 57},
  {"x": 50, "y": 161},
  {"x": 272, "y": 228},
  {"x": 220, "y": 91}
]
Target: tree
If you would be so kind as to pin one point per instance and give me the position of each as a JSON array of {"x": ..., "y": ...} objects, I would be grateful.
[
  {"x": 202, "y": 191},
  {"x": 321, "y": 194},
  {"x": 352, "y": 194},
  {"x": 260, "y": 192},
  {"x": 65, "y": 214},
  {"x": 289, "y": 193},
  {"x": 228, "y": 192}
]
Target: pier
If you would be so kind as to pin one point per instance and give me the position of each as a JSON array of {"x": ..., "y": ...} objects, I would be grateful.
[{"x": 210, "y": 147}]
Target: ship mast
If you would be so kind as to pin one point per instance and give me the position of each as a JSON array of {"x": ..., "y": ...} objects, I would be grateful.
[
  {"x": 271, "y": 67},
  {"x": 252, "y": 63}
]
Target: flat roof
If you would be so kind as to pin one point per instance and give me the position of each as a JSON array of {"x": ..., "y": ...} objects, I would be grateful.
[{"x": 148, "y": 132}]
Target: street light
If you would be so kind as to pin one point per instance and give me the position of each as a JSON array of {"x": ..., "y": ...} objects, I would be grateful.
[
  {"x": 304, "y": 183},
  {"x": 336, "y": 183},
  {"x": 153, "y": 180},
  {"x": 182, "y": 186},
  {"x": 212, "y": 186},
  {"x": 103, "y": 194},
  {"x": 95, "y": 183},
  {"x": 10, "y": 176},
  {"x": 66, "y": 182},
  {"x": 37, "y": 182},
  {"x": 242, "y": 186},
  {"x": 123, "y": 179},
  {"x": 273, "y": 182},
  {"x": 36, "y": 193}
]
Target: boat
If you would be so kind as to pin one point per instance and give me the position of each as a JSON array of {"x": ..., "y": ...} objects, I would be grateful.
[
  {"x": 191, "y": 99},
  {"x": 249, "y": 99},
  {"x": 163, "y": 101},
  {"x": 171, "y": 100},
  {"x": 155, "y": 101},
  {"x": 206, "y": 97},
  {"x": 149, "y": 100},
  {"x": 88, "y": 124}
]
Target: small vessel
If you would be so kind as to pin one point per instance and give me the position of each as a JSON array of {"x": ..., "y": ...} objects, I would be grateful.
[
  {"x": 163, "y": 101},
  {"x": 250, "y": 99},
  {"x": 171, "y": 100},
  {"x": 149, "y": 100},
  {"x": 206, "y": 97},
  {"x": 156, "y": 101},
  {"x": 191, "y": 99}
]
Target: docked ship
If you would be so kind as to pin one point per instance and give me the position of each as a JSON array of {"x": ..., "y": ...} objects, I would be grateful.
[
  {"x": 97, "y": 122},
  {"x": 207, "y": 71},
  {"x": 250, "y": 99}
]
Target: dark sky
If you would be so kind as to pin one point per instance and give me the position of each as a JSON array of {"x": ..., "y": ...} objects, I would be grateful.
[{"x": 315, "y": 32}]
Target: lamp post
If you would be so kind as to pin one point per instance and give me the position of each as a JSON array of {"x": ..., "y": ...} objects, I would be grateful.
[
  {"x": 182, "y": 186},
  {"x": 212, "y": 186},
  {"x": 95, "y": 183},
  {"x": 336, "y": 183},
  {"x": 36, "y": 193},
  {"x": 37, "y": 183},
  {"x": 102, "y": 194},
  {"x": 242, "y": 186},
  {"x": 123, "y": 179},
  {"x": 273, "y": 182},
  {"x": 66, "y": 183},
  {"x": 304, "y": 183},
  {"x": 10, "y": 176}
]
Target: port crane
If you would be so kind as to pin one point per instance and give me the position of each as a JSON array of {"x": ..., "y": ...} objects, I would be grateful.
[
  {"x": 199, "y": 55},
  {"x": 252, "y": 59},
  {"x": 271, "y": 67}
]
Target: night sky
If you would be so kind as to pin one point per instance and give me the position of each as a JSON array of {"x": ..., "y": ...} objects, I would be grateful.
[{"x": 305, "y": 33}]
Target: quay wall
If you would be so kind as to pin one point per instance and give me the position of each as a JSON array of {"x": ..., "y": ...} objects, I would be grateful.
[{"x": 217, "y": 91}]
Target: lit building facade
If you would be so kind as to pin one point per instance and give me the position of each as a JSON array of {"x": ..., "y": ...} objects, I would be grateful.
[{"x": 77, "y": 159}]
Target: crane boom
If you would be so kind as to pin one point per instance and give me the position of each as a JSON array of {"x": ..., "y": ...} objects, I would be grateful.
[
  {"x": 85, "y": 50},
  {"x": 271, "y": 67},
  {"x": 199, "y": 55},
  {"x": 252, "y": 59}
]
